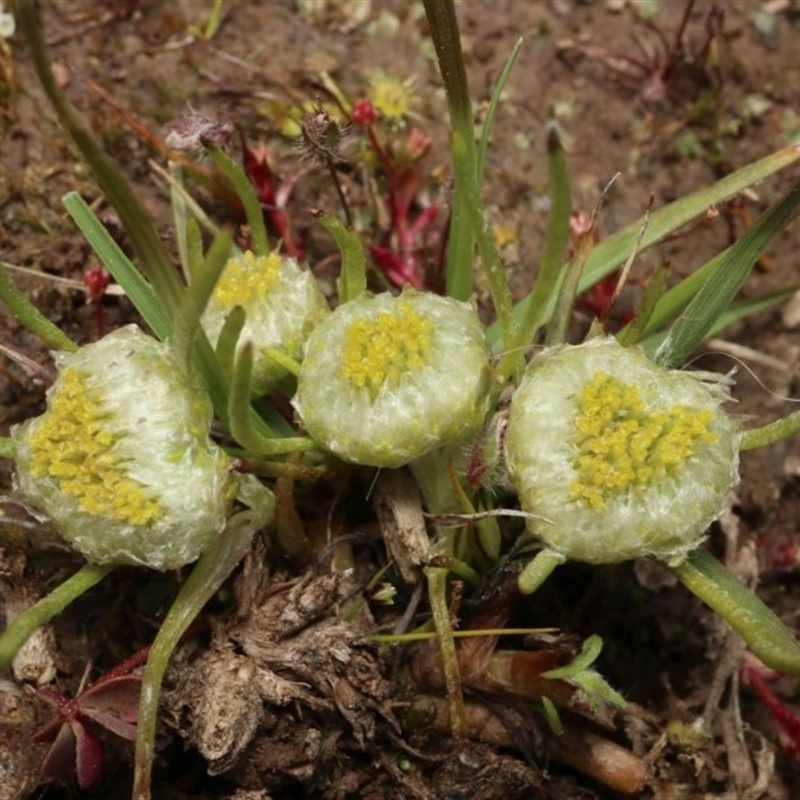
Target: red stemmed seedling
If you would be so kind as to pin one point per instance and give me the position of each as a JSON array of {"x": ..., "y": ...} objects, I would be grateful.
[
  {"x": 400, "y": 258},
  {"x": 95, "y": 282},
  {"x": 112, "y": 702},
  {"x": 273, "y": 194}
]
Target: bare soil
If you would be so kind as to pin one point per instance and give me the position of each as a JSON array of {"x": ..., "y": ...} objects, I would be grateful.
[{"x": 277, "y": 697}]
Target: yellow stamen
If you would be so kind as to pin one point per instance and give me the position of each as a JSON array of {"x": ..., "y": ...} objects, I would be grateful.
[
  {"x": 73, "y": 446},
  {"x": 380, "y": 350},
  {"x": 247, "y": 278},
  {"x": 622, "y": 446}
]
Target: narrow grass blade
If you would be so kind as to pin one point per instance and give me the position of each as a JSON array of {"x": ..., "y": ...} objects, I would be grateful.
[
  {"x": 634, "y": 331},
  {"x": 229, "y": 338},
  {"x": 138, "y": 290},
  {"x": 247, "y": 194},
  {"x": 353, "y": 276},
  {"x": 610, "y": 253},
  {"x": 443, "y": 24},
  {"x": 723, "y": 284},
  {"x": 20, "y": 305},
  {"x": 187, "y": 320},
  {"x": 534, "y": 307},
  {"x": 737, "y": 311},
  {"x": 463, "y": 158},
  {"x": 486, "y": 130}
]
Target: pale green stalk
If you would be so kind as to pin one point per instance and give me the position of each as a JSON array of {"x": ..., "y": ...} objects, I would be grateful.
[
  {"x": 21, "y": 627},
  {"x": 208, "y": 575},
  {"x": 770, "y": 434},
  {"x": 765, "y": 634}
]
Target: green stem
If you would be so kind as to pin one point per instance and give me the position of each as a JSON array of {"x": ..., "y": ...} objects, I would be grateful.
[
  {"x": 20, "y": 628},
  {"x": 766, "y": 636},
  {"x": 538, "y": 570},
  {"x": 214, "y": 566},
  {"x": 437, "y": 595},
  {"x": 769, "y": 434}
]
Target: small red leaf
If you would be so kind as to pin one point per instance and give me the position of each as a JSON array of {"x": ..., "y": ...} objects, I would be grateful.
[
  {"x": 116, "y": 696},
  {"x": 89, "y": 756},
  {"x": 60, "y": 759}
]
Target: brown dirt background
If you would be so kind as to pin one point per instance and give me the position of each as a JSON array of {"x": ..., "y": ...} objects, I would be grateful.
[{"x": 661, "y": 646}]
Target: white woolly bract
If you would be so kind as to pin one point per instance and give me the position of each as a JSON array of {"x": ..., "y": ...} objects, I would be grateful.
[
  {"x": 159, "y": 420},
  {"x": 441, "y": 402},
  {"x": 665, "y": 519}
]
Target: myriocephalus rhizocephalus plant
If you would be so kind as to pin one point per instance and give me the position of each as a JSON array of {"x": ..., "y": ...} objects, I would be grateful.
[
  {"x": 614, "y": 453},
  {"x": 386, "y": 379},
  {"x": 283, "y": 304},
  {"x": 622, "y": 458},
  {"x": 122, "y": 458}
]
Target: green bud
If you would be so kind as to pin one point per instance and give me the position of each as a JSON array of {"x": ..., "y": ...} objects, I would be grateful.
[{"x": 121, "y": 459}]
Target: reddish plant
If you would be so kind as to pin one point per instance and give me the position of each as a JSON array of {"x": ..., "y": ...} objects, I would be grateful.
[
  {"x": 112, "y": 701},
  {"x": 95, "y": 282},
  {"x": 400, "y": 259},
  {"x": 756, "y": 676},
  {"x": 273, "y": 193}
]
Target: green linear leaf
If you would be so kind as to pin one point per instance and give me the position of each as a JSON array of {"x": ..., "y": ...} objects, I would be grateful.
[
  {"x": 150, "y": 251},
  {"x": 20, "y": 305},
  {"x": 139, "y": 291},
  {"x": 724, "y": 282},
  {"x": 486, "y": 130},
  {"x": 610, "y": 253}
]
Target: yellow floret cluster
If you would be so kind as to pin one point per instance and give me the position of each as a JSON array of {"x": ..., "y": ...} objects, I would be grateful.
[
  {"x": 622, "y": 447},
  {"x": 391, "y": 96},
  {"x": 247, "y": 278},
  {"x": 73, "y": 446},
  {"x": 380, "y": 350}
]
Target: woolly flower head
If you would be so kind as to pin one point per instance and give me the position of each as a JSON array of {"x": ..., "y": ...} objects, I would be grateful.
[
  {"x": 623, "y": 457},
  {"x": 121, "y": 458},
  {"x": 283, "y": 305},
  {"x": 386, "y": 379}
]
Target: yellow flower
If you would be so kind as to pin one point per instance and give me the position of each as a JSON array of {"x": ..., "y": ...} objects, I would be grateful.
[
  {"x": 390, "y": 96},
  {"x": 283, "y": 305},
  {"x": 121, "y": 458},
  {"x": 387, "y": 379},
  {"x": 623, "y": 458}
]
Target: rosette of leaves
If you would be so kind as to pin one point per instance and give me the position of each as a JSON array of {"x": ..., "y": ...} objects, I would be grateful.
[
  {"x": 122, "y": 460},
  {"x": 283, "y": 304},
  {"x": 386, "y": 379}
]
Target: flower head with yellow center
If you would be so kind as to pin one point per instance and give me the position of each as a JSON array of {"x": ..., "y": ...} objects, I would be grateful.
[
  {"x": 387, "y": 379},
  {"x": 391, "y": 96},
  {"x": 624, "y": 458},
  {"x": 121, "y": 458},
  {"x": 283, "y": 304}
]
